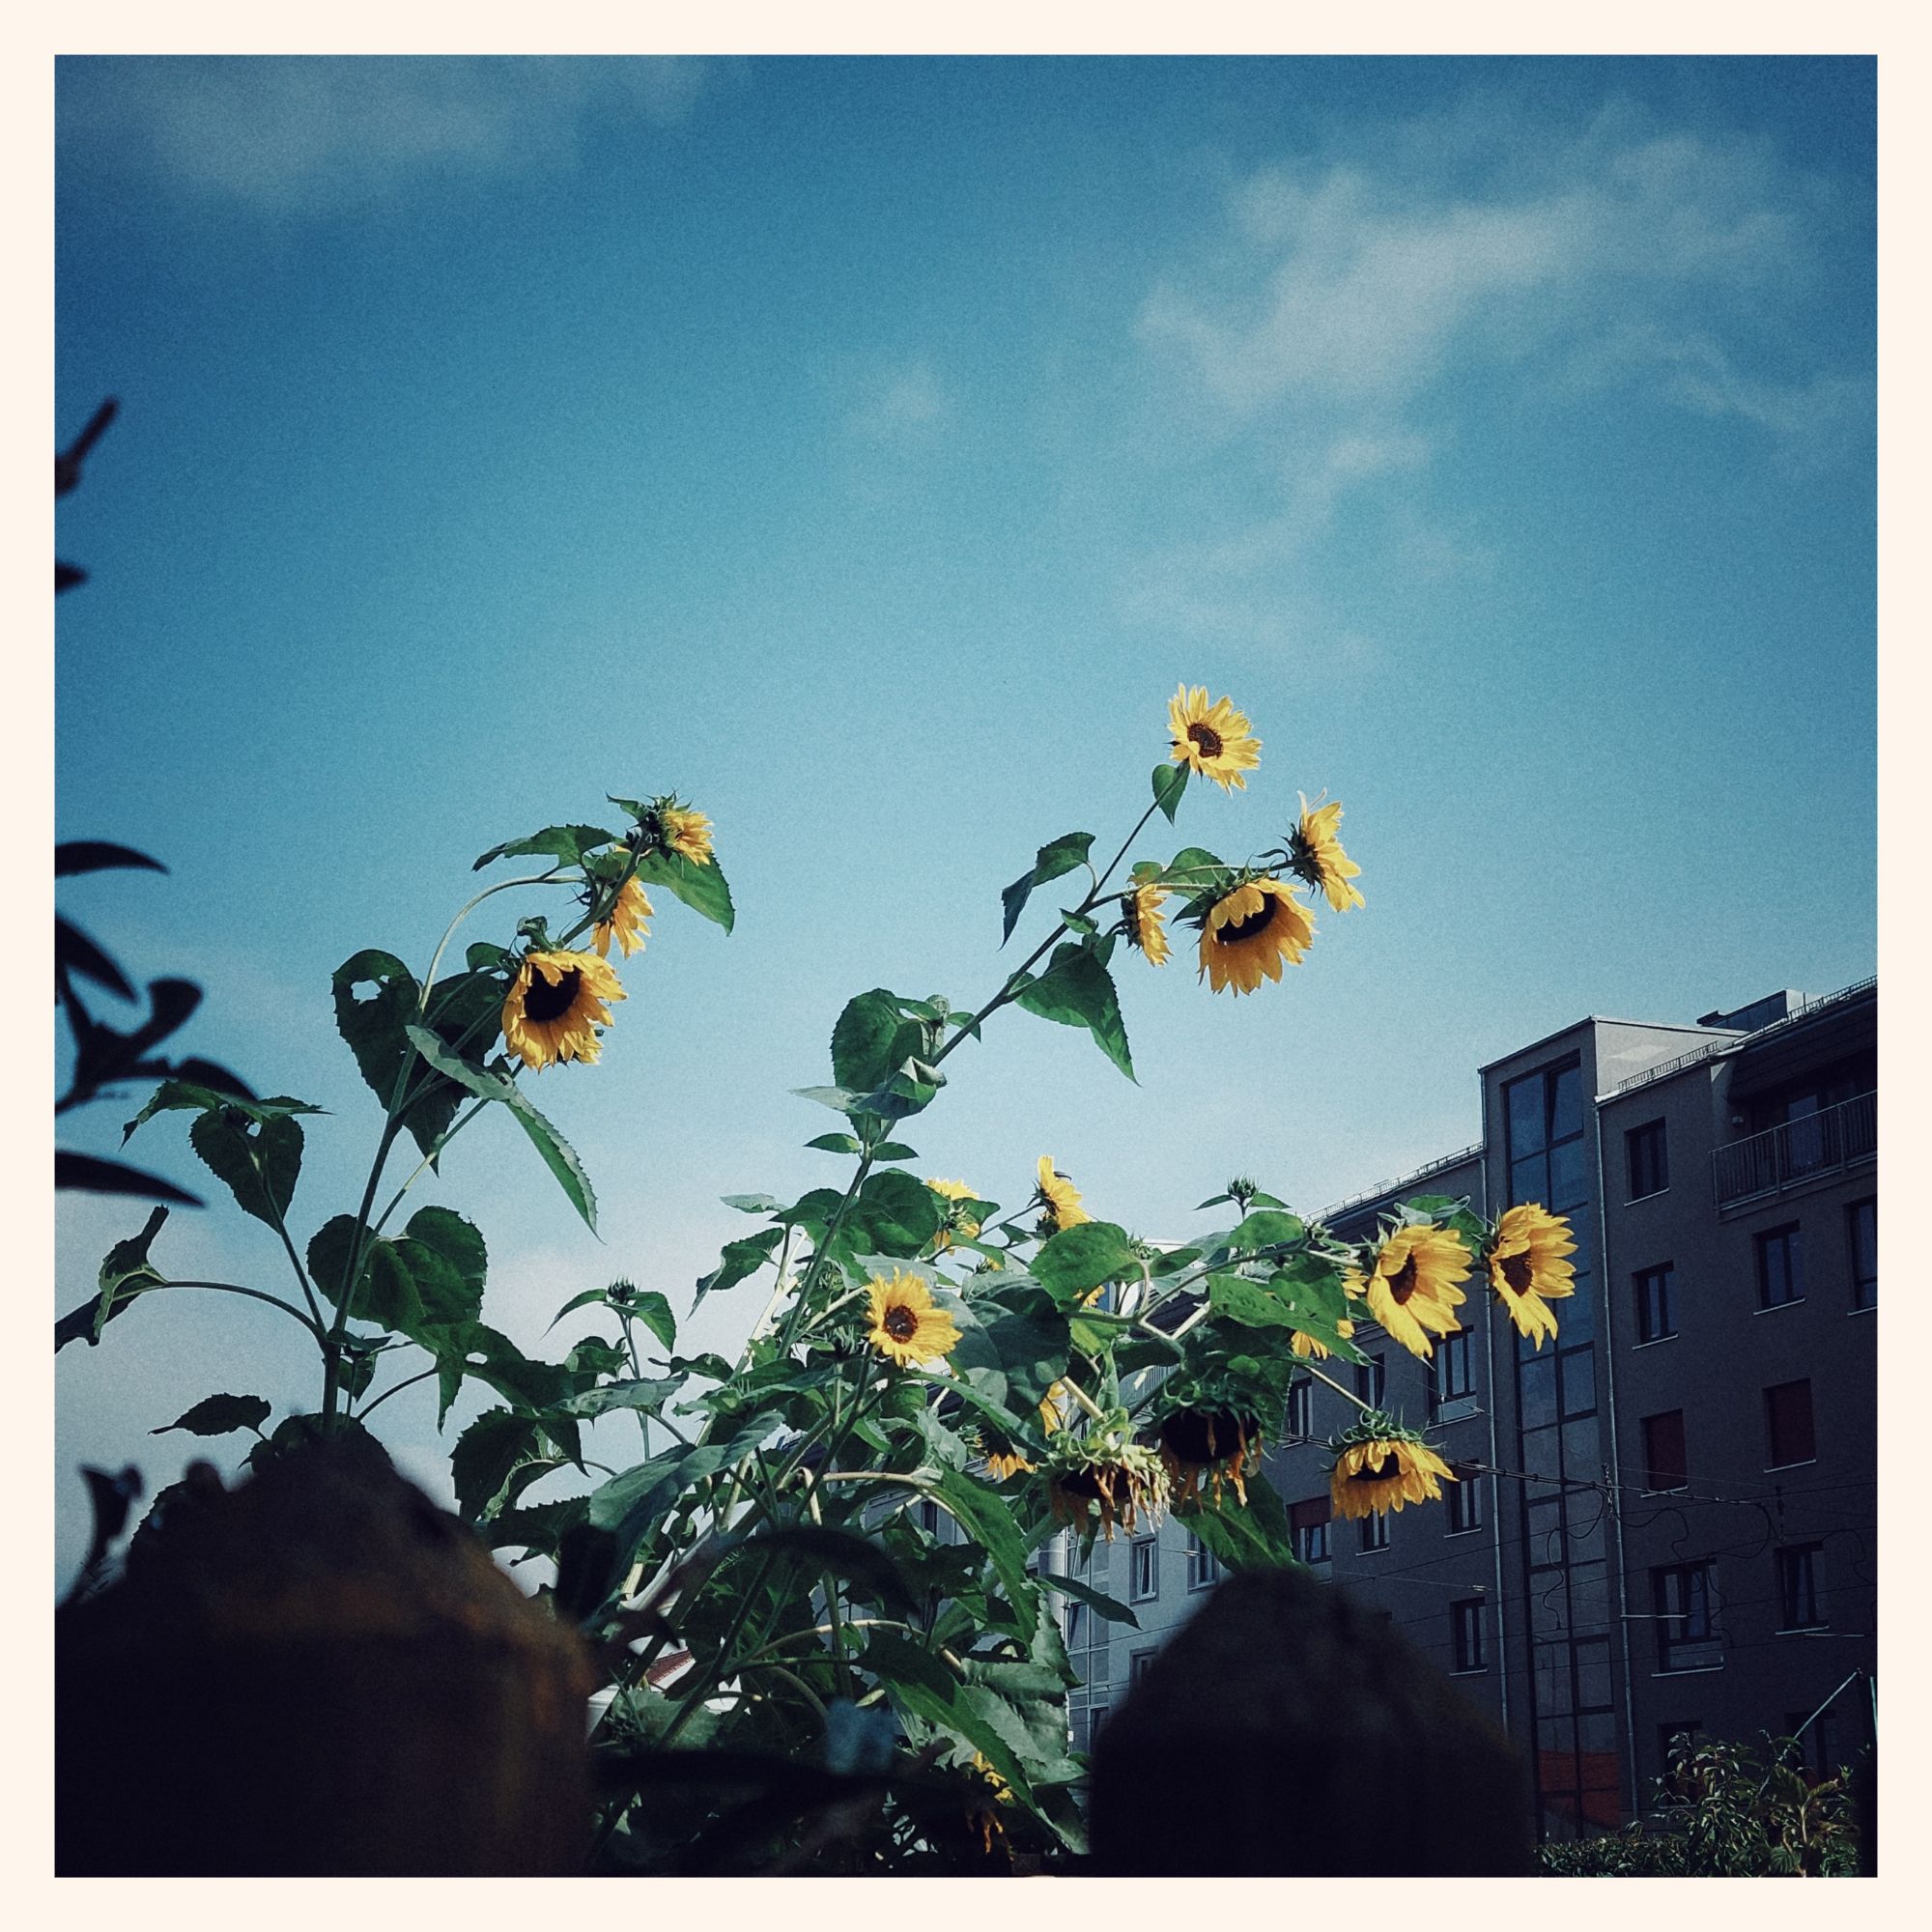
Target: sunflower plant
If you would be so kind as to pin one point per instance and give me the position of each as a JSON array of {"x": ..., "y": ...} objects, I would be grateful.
[{"x": 826, "y": 1589}]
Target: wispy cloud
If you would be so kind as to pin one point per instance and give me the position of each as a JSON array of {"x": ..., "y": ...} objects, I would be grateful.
[
  {"x": 901, "y": 404},
  {"x": 1325, "y": 340},
  {"x": 284, "y": 133}
]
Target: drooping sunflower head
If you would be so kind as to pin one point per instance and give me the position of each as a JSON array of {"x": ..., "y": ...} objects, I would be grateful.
[
  {"x": 1002, "y": 1455},
  {"x": 1105, "y": 1470},
  {"x": 906, "y": 1327},
  {"x": 686, "y": 833},
  {"x": 1380, "y": 1466},
  {"x": 554, "y": 1006},
  {"x": 1412, "y": 1287},
  {"x": 1249, "y": 930},
  {"x": 1143, "y": 924},
  {"x": 1530, "y": 1266},
  {"x": 627, "y": 922},
  {"x": 1213, "y": 740},
  {"x": 1057, "y": 1200},
  {"x": 957, "y": 1221},
  {"x": 1315, "y": 855},
  {"x": 1210, "y": 1445}
]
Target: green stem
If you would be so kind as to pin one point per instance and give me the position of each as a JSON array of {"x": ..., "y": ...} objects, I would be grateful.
[
  {"x": 232, "y": 1288},
  {"x": 449, "y": 931},
  {"x": 423, "y": 1166},
  {"x": 408, "y": 1382}
]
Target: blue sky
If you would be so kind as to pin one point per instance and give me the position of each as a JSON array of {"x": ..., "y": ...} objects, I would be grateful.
[{"x": 867, "y": 448}]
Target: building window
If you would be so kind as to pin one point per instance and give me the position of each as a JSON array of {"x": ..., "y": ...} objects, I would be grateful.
[
  {"x": 1787, "y": 1424},
  {"x": 1656, "y": 1308},
  {"x": 1649, "y": 1165},
  {"x": 1797, "y": 1587},
  {"x": 1466, "y": 1629},
  {"x": 1664, "y": 1459},
  {"x": 1076, "y": 1624},
  {"x": 1204, "y": 1567},
  {"x": 1138, "y": 1665},
  {"x": 1143, "y": 1573},
  {"x": 1308, "y": 1528},
  {"x": 1373, "y": 1531},
  {"x": 1780, "y": 1267},
  {"x": 1301, "y": 1411},
  {"x": 1864, "y": 1219},
  {"x": 1464, "y": 1496},
  {"x": 1372, "y": 1381},
  {"x": 1683, "y": 1601},
  {"x": 1451, "y": 1372},
  {"x": 928, "y": 1517},
  {"x": 1095, "y": 1718}
]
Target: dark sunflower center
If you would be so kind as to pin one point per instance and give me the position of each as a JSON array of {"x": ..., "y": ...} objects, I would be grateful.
[
  {"x": 1238, "y": 929},
  {"x": 544, "y": 1001},
  {"x": 1384, "y": 1471},
  {"x": 1202, "y": 1435},
  {"x": 901, "y": 1323},
  {"x": 1403, "y": 1281},
  {"x": 1207, "y": 739},
  {"x": 1518, "y": 1272}
]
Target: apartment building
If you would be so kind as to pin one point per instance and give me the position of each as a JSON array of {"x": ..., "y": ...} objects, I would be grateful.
[{"x": 1667, "y": 1518}]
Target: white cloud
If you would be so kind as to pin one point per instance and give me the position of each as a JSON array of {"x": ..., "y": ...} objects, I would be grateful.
[
  {"x": 900, "y": 403},
  {"x": 286, "y": 132}
]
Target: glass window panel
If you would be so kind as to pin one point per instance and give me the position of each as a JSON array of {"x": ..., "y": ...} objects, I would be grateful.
[
  {"x": 1568, "y": 1189},
  {"x": 1576, "y": 1313},
  {"x": 1556, "y": 1734},
  {"x": 1578, "y": 1371},
  {"x": 1522, "y": 1100},
  {"x": 1538, "y": 1452},
  {"x": 1589, "y": 1597},
  {"x": 1597, "y": 1731},
  {"x": 1549, "y": 1607},
  {"x": 1593, "y": 1673},
  {"x": 1586, "y": 1534},
  {"x": 1538, "y": 1383},
  {"x": 1553, "y": 1680},
  {"x": 1566, "y": 1103},
  {"x": 1530, "y": 1179},
  {"x": 1582, "y": 1450},
  {"x": 1545, "y": 1531}
]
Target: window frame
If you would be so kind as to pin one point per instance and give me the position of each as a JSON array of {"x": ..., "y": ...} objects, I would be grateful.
[
  {"x": 1861, "y": 1302},
  {"x": 1653, "y": 1469},
  {"x": 1774, "y": 1460},
  {"x": 1306, "y": 1530},
  {"x": 1371, "y": 1532},
  {"x": 1787, "y": 1236},
  {"x": 1463, "y": 1502},
  {"x": 1453, "y": 1350},
  {"x": 1699, "y": 1648},
  {"x": 1372, "y": 1381},
  {"x": 1663, "y": 1274},
  {"x": 1638, "y": 1142},
  {"x": 1299, "y": 1421},
  {"x": 1137, "y": 1548},
  {"x": 1204, "y": 1567},
  {"x": 1790, "y": 1601},
  {"x": 1468, "y": 1638}
]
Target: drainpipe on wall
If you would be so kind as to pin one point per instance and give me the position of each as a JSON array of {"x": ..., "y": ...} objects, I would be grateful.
[
  {"x": 1495, "y": 1482},
  {"x": 1609, "y": 1352}
]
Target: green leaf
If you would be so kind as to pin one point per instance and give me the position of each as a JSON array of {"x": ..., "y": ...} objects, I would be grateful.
[
  {"x": 1077, "y": 991},
  {"x": 481, "y": 956},
  {"x": 260, "y": 1168},
  {"x": 842, "y": 1144},
  {"x": 894, "y": 1215},
  {"x": 863, "y": 1042},
  {"x": 124, "y": 1273},
  {"x": 702, "y": 887},
  {"x": 842, "y": 1551},
  {"x": 565, "y": 843},
  {"x": 1254, "y": 1535},
  {"x": 1248, "y": 1302},
  {"x": 751, "y": 1204},
  {"x": 91, "y": 1175},
  {"x": 1097, "y": 1601},
  {"x": 988, "y": 1522},
  {"x": 485, "y": 1456},
  {"x": 448, "y": 1256},
  {"x": 1054, "y": 859},
  {"x": 1169, "y": 783},
  {"x": 653, "y": 1310},
  {"x": 1078, "y": 1259},
  {"x": 627, "y": 1394},
  {"x": 374, "y": 1027},
  {"x": 633, "y": 1504},
  {"x": 219, "y": 1415},
  {"x": 174, "y": 1096},
  {"x": 1266, "y": 1229},
  {"x": 841, "y": 1099},
  {"x": 1197, "y": 872},
  {"x": 738, "y": 1260}
]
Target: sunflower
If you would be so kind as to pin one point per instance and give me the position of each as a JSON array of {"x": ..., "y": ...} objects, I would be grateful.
[
  {"x": 1249, "y": 932},
  {"x": 686, "y": 833},
  {"x": 554, "y": 1007},
  {"x": 984, "y": 1814},
  {"x": 1144, "y": 923},
  {"x": 1108, "y": 1469},
  {"x": 1381, "y": 1466},
  {"x": 906, "y": 1326},
  {"x": 1215, "y": 1444},
  {"x": 956, "y": 1221},
  {"x": 1315, "y": 855},
  {"x": 625, "y": 921},
  {"x": 1309, "y": 1349},
  {"x": 1412, "y": 1289},
  {"x": 1530, "y": 1267},
  {"x": 1213, "y": 740},
  {"x": 1001, "y": 1462},
  {"x": 1058, "y": 1198}
]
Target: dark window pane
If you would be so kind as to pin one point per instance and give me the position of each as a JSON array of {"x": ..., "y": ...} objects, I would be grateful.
[
  {"x": 1797, "y": 1587},
  {"x": 1537, "y": 1379},
  {"x": 1566, "y": 1103},
  {"x": 1576, "y": 1313},
  {"x": 1583, "y": 1451},
  {"x": 1551, "y": 1674},
  {"x": 1522, "y": 1104},
  {"x": 1567, "y": 1187},
  {"x": 1589, "y": 1610},
  {"x": 1780, "y": 1271},
  {"x": 1577, "y": 1370},
  {"x": 1863, "y": 1215},
  {"x": 1545, "y": 1530},
  {"x": 1464, "y": 1498},
  {"x": 1540, "y": 1453},
  {"x": 1593, "y": 1674},
  {"x": 1529, "y": 1178},
  {"x": 1663, "y": 1464},
  {"x": 1788, "y": 1424},
  {"x": 1656, "y": 1314},
  {"x": 1646, "y": 1157}
]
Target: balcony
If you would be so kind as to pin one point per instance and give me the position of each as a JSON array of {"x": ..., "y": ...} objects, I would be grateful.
[{"x": 1799, "y": 1151}]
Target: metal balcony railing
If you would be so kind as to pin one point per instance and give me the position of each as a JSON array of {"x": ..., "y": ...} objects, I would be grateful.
[{"x": 1815, "y": 1144}]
